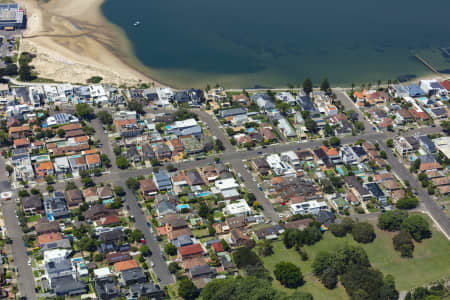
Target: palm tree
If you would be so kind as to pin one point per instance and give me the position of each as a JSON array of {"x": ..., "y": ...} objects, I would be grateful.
[
  {"x": 389, "y": 83},
  {"x": 378, "y": 84},
  {"x": 369, "y": 85},
  {"x": 353, "y": 86}
]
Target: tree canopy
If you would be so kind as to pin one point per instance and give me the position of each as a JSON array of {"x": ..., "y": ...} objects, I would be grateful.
[
  {"x": 288, "y": 274},
  {"x": 307, "y": 85},
  {"x": 351, "y": 265},
  {"x": 363, "y": 232},
  {"x": 392, "y": 220},
  {"x": 105, "y": 117},
  {"x": 417, "y": 226},
  {"x": 84, "y": 111}
]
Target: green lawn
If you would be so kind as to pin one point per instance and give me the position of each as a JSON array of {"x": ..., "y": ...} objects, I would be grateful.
[
  {"x": 429, "y": 262},
  {"x": 34, "y": 218}
]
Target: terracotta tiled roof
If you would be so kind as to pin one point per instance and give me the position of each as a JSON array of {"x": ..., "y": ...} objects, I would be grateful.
[
  {"x": 81, "y": 139},
  {"x": 430, "y": 166},
  {"x": 276, "y": 180},
  {"x": 217, "y": 247},
  {"x": 123, "y": 123},
  {"x": 90, "y": 151},
  {"x": 92, "y": 159},
  {"x": 446, "y": 84},
  {"x": 48, "y": 237},
  {"x": 47, "y": 165},
  {"x": 190, "y": 250},
  {"x": 89, "y": 192},
  {"x": 22, "y": 128},
  {"x": 70, "y": 127},
  {"x": 21, "y": 142},
  {"x": 125, "y": 265},
  {"x": 193, "y": 262}
]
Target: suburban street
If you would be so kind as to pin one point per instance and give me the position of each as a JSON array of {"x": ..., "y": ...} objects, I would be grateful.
[
  {"x": 116, "y": 176},
  {"x": 25, "y": 280},
  {"x": 160, "y": 266},
  {"x": 429, "y": 203}
]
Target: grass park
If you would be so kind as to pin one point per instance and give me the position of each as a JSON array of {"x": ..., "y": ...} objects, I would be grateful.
[{"x": 430, "y": 262}]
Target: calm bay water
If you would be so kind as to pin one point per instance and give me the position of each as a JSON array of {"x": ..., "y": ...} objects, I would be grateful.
[{"x": 272, "y": 43}]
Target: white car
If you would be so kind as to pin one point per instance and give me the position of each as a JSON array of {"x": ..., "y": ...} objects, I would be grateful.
[{"x": 152, "y": 263}]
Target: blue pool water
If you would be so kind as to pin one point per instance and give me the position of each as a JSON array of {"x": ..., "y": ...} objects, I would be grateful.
[
  {"x": 251, "y": 129},
  {"x": 340, "y": 171},
  {"x": 203, "y": 194},
  {"x": 107, "y": 201},
  {"x": 181, "y": 206},
  {"x": 78, "y": 259},
  {"x": 50, "y": 217}
]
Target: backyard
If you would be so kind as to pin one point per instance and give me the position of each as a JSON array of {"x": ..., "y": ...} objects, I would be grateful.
[{"x": 428, "y": 258}]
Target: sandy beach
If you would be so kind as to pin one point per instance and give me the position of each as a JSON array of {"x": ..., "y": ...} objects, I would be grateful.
[{"x": 73, "y": 42}]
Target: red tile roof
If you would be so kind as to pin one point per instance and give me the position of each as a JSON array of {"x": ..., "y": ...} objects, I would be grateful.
[
  {"x": 125, "y": 265},
  {"x": 217, "y": 247},
  {"x": 21, "y": 142},
  {"x": 446, "y": 84},
  {"x": 190, "y": 250}
]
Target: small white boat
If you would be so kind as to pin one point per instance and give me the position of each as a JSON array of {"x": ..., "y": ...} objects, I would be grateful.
[{"x": 136, "y": 24}]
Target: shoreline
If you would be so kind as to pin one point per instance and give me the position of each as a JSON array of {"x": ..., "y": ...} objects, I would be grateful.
[{"x": 75, "y": 41}]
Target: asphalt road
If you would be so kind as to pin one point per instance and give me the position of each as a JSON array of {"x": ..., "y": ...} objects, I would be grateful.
[
  {"x": 160, "y": 266},
  {"x": 25, "y": 277},
  {"x": 428, "y": 202},
  {"x": 252, "y": 187},
  {"x": 106, "y": 145},
  {"x": 350, "y": 105},
  {"x": 214, "y": 129}
]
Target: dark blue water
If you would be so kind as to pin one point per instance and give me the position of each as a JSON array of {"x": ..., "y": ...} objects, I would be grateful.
[{"x": 271, "y": 43}]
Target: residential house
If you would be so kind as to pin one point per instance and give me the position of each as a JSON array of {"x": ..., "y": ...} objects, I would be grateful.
[
  {"x": 348, "y": 156},
  {"x": 286, "y": 128},
  {"x": 261, "y": 166},
  {"x": 360, "y": 191},
  {"x": 233, "y": 112},
  {"x": 43, "y": 169},
  {"x": 56, "y": 206},
  {"x": 264, "y": 101},
  {"x": 148, "y": 187},
  {"x": 106, "y": 288},
  {"x": 186, "y": 127},
  {"x": 90, "y": 194},
  {"x": 403, "y": 116},
  {"x": 298, "y": 224},
  {"x": 271, "y": 232},
  {"x": 105, "y": 192},
  {"x": 93, "y": 161},
  {"x": 77, "y": 163},
  {"x": 62, "y": 166},
  {"x": 173, "y": 222},
  {"x": 402, "y": 146},
  {"x": 73, "y": 197},
  {"x": 376, "y": 192},
  {"x": 163, "y": 151},
  {"x": 44, "y": 226},
  {"x": 190, "y": 251},
  {"x": 308, "y": 207},
  {"x": 97, "y": 212},
  {"x": 426, "y": 144},
  {"x": 132, "y": 154},
  {"x": 238, "y": 238},
  {"x": 162, "y": 180},
  {"x": 125, "y": 265},
  {"x": 239, "y": 208},
  {"x": 32, "y": 204}
]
